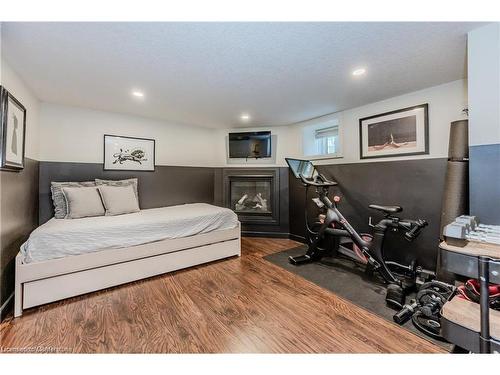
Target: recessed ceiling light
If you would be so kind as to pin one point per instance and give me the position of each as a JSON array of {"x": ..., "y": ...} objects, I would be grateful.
[
  {"x": 138, "y": 94},
  {"x": 245, "y": 117},
  {"x": 359, "y": 72}
]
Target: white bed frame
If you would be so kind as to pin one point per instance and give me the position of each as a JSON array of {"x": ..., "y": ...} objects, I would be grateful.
[{"x": 42, "y": 282}]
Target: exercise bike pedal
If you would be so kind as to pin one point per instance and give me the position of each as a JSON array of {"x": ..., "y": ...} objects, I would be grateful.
[
  {"x": 299, "y": 259},
  {"x": 395, "y": 296}
]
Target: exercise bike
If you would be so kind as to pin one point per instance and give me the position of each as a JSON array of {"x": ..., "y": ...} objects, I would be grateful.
[{"x": 328, "y": 235}]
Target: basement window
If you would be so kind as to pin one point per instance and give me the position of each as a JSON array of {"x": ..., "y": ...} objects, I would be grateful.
[
  {"x": 322, "y": 140},
  {"x": 326, "y": 140}
]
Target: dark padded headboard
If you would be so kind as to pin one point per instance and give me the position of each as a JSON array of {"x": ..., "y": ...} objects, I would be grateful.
[{"x": 165, "y": 186}]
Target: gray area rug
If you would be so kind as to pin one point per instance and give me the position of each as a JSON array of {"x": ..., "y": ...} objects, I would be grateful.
[{"x": 348, "y": 280}]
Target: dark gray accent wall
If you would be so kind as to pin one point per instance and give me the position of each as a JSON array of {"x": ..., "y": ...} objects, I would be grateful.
[
  {"x": 18, "y": 217},
  {"x": 166, "y": 186},
  {"x": 416, "y": 185},
  {"x": 484, "y": 181}
]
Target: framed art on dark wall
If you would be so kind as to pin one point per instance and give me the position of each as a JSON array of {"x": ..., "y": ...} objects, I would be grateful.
[
  {"x": 128, "y": 153},
  {"x": 396, "y": 133},
  {"x": 12, "y": 131}
]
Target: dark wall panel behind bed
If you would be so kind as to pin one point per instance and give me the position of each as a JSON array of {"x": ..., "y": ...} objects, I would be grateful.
[
  {"x": 165, "y": 186},
  {"x": 18, "y": 217}
]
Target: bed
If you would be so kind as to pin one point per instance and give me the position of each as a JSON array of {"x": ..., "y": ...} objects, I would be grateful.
[{"x": 65, "y": 258}]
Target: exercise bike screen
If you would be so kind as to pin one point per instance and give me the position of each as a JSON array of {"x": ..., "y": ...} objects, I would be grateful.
[{"x": 301, "y": 167}]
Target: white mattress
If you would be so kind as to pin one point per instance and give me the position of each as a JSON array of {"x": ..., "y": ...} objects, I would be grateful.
[{"x": 65, "y": 237}]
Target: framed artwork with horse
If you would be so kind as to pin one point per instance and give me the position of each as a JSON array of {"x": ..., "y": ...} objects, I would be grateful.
[{"x": 128, "y": 153}]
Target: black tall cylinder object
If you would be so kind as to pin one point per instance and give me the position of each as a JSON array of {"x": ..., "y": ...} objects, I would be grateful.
[
  {"x": 458, "y": 149},
  {"x": 456, "y": 192},
  {"x": 456, "y": 188}
]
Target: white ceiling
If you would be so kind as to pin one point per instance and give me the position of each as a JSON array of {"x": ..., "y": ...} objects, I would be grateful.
[{"x": 209, "y": 73}]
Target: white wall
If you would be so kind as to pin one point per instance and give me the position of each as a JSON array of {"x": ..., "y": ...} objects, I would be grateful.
[
  {"x": 284, "y": 143},
  {"x": 1, "y": 52},
  {"x": 484, "y": 87},
  {"x": 76, "y": 135},
  {"x": 484, "y": 131},
  {"x": 14, "y": 84},
  {"x": 446, "y": 103}
]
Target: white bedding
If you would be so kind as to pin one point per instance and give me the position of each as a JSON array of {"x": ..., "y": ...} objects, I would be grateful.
[{"x": 64, "y": 237}]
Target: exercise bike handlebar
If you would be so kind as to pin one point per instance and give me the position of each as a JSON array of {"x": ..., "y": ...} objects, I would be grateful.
[
  {"x": 319, "y": 181},
  {"x": 415, "y": 231},
  {"x": 412, "y": 228}
]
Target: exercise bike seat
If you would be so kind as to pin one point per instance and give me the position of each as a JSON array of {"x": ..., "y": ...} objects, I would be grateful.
[{"x": 386, "y": 209}]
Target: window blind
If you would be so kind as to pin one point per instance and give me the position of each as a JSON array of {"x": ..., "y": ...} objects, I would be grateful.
[{"x": 331, "y": 131}]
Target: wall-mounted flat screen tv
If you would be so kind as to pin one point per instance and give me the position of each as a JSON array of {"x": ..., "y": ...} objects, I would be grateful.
[{"x": 250, "y": 145}]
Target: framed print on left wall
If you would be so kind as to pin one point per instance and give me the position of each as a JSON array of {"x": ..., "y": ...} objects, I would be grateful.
[
  {"x": 128, "y": 153},
  {"x": 12, "y": 132}
]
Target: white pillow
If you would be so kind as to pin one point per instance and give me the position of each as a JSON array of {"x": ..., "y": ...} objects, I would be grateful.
[
  {"x": 82, "y": 202},
  {"x": 119, "y": 200},
  {"x": 130, "y": 181},
  {"x": 60, "y": 207}
]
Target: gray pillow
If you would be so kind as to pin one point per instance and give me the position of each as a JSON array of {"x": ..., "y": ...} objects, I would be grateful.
[
  {"x": 83, "y": 202},
  {"x": 60, "y": 208},
  {"x": 129, "y": 181},
  {"x": 118, "y": 200}
]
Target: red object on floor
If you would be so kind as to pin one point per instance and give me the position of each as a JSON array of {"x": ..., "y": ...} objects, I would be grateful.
[{"x": 471, "y": 290}]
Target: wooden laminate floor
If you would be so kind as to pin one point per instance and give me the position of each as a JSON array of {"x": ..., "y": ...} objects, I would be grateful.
[{"x": 237, "y": 305}]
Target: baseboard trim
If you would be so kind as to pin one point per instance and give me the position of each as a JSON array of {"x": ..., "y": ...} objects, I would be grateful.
[
  {"x": 264, "y": 234},
  {"x": 4, "y": 309},
  {"x": 274, "y": 235},
  {"x": 297, "y": 238}
]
